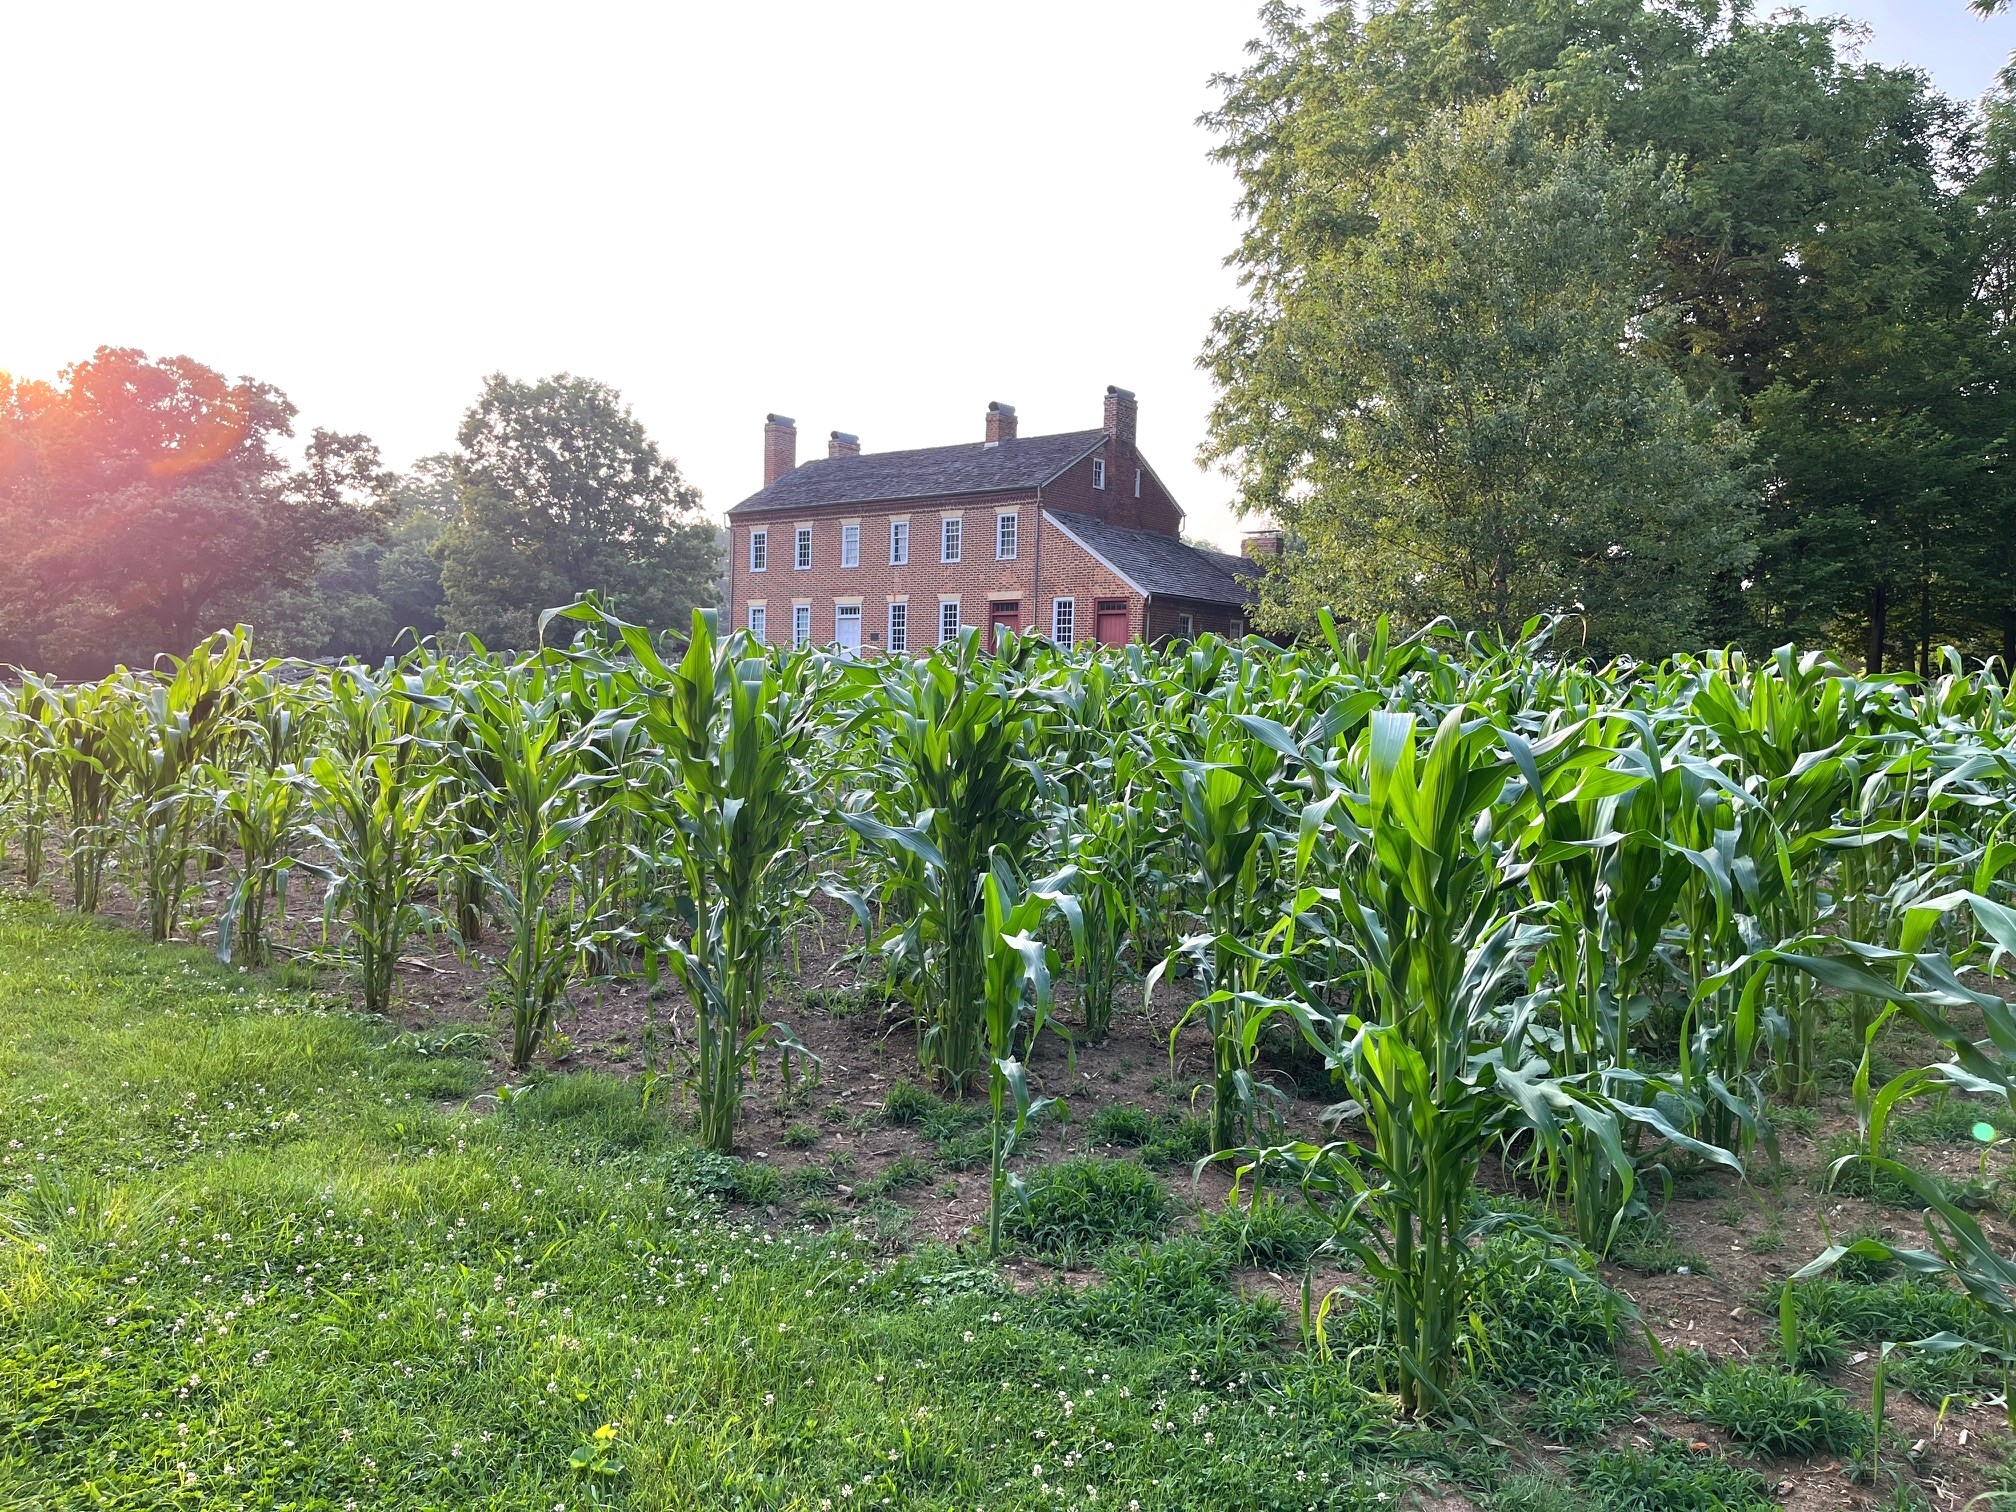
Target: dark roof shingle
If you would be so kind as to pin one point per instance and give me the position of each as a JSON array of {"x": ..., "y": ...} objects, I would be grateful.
[
  {"x": 1161, "y": 565},
  {"x": 929, "y": 472}
]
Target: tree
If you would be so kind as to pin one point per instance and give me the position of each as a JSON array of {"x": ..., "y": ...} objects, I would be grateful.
[
  {"x": 1493, "y": 439},
  {"x": 561, "y": 491},
  {"x": 144, "y": 502},
  {"x": 1819, "y": 236},
  {"x": 368, "y": 593}
]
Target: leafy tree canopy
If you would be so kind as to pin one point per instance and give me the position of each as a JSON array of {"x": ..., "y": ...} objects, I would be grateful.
[
  {"x": 560, "y": 491},
  {"x": 145, "y": 502},
  {"x": 1489, "y": 437},
  {"x": 1819, "y": 272}
]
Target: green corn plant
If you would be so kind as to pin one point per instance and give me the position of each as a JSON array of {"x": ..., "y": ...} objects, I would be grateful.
[
  {"x": 948, "y": 784},
  {"x": 1016, "y": 971},
  {"x": 1437, "y": 1050},
  {"x": 28, "y": 777},
  {"x": 260, "y": 811},
  {"x": 81, "y": 725},
  {"x": 735, "y": 728},
  {"x": 511, "y": 748},
  {"x": 372, "y": 794},
  {"x": 1227, "y": 819},
  {"x": 172, "y": 724}
]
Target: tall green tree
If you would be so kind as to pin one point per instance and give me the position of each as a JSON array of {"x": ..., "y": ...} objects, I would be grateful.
[
  {"x": 369, "y": 592},
  {"x": 561, "y": 491},
  {"x": 1497, "y": 441},
  {"x": 1815, "y": 272},
  {"x": 145, "y": 502}
]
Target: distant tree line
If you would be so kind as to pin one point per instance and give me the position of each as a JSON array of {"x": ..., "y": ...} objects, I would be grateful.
[
  {"x": 1686, "y": 323},
  {"x": 145, "y": 502}
]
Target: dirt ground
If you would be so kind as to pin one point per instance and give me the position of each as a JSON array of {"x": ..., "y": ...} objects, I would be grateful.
[{"x": 1734, "y": 1239}]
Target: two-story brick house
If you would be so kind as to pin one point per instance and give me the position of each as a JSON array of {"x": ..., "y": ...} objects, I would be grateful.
[{"x": 1071, "y": 535}]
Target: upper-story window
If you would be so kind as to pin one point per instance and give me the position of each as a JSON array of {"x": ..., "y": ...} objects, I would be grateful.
[
  {"x": 1006, "y": 526},
  {"x": 899, "y": 542},
  {"x": 1137, "y": 482},
  {"x": 850, "y": 545},
  {"x": 948, "y": 538},
  {"x": 1098, "y": 472},
  {"x": 759, "y": 550},
  {"x": 803, "y": 559}
]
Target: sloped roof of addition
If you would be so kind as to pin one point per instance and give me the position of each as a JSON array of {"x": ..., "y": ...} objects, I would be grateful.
[
  {"x": 1160, "y": 566},
  {"x": 927, "y": 473}
]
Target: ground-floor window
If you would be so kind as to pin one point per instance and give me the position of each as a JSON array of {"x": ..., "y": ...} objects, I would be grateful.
[
  {"x": 801, "y": 626},
  {"x": 759, "y": 622},
  {"x": 948, "y": 621},
  {"x": 899, "y": 627},
  {"x": 1064, "y": 621}
]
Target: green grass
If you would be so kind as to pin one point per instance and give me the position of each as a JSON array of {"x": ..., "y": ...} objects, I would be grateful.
[
  {"x": 263, "y": 1255},
  {"x": 1078, "y": 1207}
]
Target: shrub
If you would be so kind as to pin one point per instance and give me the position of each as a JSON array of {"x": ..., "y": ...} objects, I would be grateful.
[
  {"x": 1669, "y": 1477},
  {"x": 1163, "y": 1291},
  {"x": 901, "y": 1174},
  {"x": 1082, "y": 1205},
  {"x": 1537, "y": 1493},
  {"x": 1122, "y": 1124},
  {"x": 907, "y": 1103},
  {"x": 1578, "y": 1411},
  {"x": 1177, "y": 1141},
  {"x": 1268, "y": 1233},
  {"x": 1776, "y": 1412}
]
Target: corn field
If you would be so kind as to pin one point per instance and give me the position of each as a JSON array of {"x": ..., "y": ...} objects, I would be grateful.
[{"x": 1594, "y": 923}]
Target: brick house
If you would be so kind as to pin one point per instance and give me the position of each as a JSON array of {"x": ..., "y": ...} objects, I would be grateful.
[{"x": 1072, "y": 536}]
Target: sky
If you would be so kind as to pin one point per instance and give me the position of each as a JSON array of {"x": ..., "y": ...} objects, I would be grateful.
[{"x": 874, "y": 218}]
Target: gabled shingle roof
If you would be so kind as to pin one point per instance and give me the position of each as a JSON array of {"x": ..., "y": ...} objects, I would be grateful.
[
  {"x": 1159, "y": 565},
  {"x": 929, "y": 472}
]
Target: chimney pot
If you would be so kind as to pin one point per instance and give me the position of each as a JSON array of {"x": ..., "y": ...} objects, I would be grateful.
[
  {"x": 1000, "y": 422},
  {"x": 840, "y": 444},
  {"x": 1121, "y": 411},
  {"x": 780, "y": 447}
]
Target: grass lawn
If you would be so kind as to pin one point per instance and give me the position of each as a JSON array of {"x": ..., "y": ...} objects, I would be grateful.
[{"x": 255, "y": 1251}]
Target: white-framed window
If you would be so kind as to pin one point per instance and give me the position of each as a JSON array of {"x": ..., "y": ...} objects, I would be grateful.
[
  {"x": 1137, "y": 482},
  {"x": 802, "y": 558},
  {"x": 1186, "y": 626},
  {"x": 1238, "y": 629},
  {"x": 1007, "y": 525},
  {"x": 1064, "y": 621},
  {"x": 948, "y": 621},
  {"x": 759, "y": 550},
  {"x": 899, "y": 626},
  {"x": 847, "y": 628},
  {"x": 801, "y": 626},
  {"x": 899, "y": 543},
  {"x": 759, "y": 622},
  {"x": 850, "y": 545},
  {"x": 949, "y": 530},
  {"x": 1098, "y": 472}
]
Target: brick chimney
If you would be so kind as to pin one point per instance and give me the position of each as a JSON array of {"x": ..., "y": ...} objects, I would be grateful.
[
  {"x": 780, "y": 447},
  {"x": 1000, "y": 422},
  {"x": 1259, "y": 545},
  {"x": 1121, "y": 409},
  {"x": 840, "y": 444}
]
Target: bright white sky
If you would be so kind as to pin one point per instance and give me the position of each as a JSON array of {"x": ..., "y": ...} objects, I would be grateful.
[{"x": 874, "y": 217}]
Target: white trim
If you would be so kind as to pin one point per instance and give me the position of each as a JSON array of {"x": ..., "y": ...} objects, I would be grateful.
[
  {"x": 761, "y": 534},
  {"x": 845, "y": 527},
  {"x": 1015, "y": 517},
  {"x": 1099, "y": 472},
  {"x": 959, "y": 522},
  {"x": 951, "y": 601},
  {"x": 1072, "y": 536},
  {"x": 889, "y": 627},
  {"x": 801, "y": 536},
  {"x": 1058, "y": 604},
  {"x": 909, "y": 540}
]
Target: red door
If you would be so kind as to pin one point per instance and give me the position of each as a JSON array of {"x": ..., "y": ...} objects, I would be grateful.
[
  {"x": 1112, "y": 623},
  {"x": 1004, "y": 615}
]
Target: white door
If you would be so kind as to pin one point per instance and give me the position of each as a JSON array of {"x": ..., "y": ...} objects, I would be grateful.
[{"x": 847, "y": 628}]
